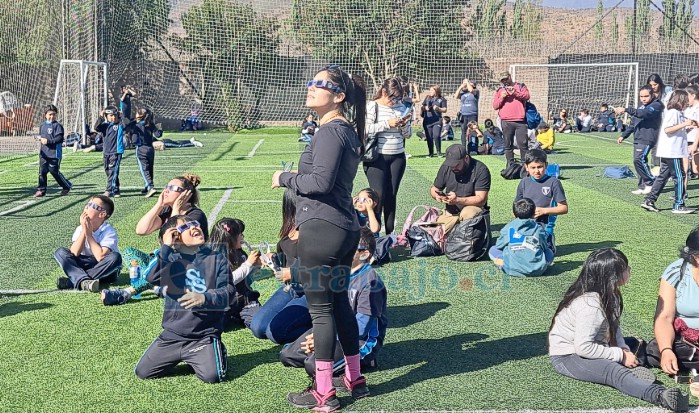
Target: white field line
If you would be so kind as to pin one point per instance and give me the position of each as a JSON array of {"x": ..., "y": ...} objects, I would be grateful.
[
  {"x": 23, "y": 292},
  {"x": 32, "y": 163},
  {"x": 252, "y": 152},
  {"x": 17, "y": 208},
  {"x": 602, "y": 137},
  {"x": 2, "y": 172},
  {"x": 217, "y": 209},
  {"x": 257, "y": 201}
]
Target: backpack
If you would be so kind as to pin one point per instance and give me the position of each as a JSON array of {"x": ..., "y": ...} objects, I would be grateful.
[
  {"x": 533, "y": 116},
  {"x": 382, "y": 254},
  {"x": 513, "y": 170},
  {"x": 371, "y": 150},
  {"x": 424, "y": 237},
  {"x": 618, "y": 172},
  {"x": 470, "y": 239},
  {"x": 553, "y": 170}
]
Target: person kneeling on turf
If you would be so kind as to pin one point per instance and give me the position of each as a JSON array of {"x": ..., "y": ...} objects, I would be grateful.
[
  {"x": 197, "y": 292},
  {"x": 94, "y": 253},
  {"x": 522, "y": 249},
  {"x": 367, "y": 295}
]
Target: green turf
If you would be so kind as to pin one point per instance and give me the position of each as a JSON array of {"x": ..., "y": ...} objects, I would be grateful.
[{"x": 461, "y": 335}]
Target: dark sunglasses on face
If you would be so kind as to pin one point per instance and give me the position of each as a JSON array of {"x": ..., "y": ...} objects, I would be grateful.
[
  {"x": 187, "y": 225},
  {"x": 96, "y": 207},
  {"x": 174, "y": 188},
  {"x": 324, "y": 84}
]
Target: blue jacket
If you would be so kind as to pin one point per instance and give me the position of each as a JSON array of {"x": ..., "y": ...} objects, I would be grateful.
[
  {"x": 646, "y": 123},
  {"x": 143, "y": 135},
  {"x": 206, "y": 273},
  {"x": 524, "y": 248},
  {"x": 53, "y": 132}
]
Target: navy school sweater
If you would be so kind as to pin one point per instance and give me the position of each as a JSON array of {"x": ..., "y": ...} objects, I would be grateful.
[{"x": 53, "y": 133}]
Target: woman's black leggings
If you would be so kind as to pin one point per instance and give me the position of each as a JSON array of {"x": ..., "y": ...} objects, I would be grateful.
[
  {"x": 325, "y": 256},
  {"x": 432, "y": 136},
  {"x": 384, "y": 176}
]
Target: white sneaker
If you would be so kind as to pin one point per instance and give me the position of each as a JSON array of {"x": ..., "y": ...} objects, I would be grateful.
[
  {"x": 408, "y": 156},
  {"x": 75, "y": 146},
  {"x": 196, "y": 143},
  {"x": 639, "y": 192},
  {"x": 647, "y": 190}
]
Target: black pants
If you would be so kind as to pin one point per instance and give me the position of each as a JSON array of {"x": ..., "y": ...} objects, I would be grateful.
[
  {"x": 687, "y": 355},
  {"x": 640, "y": 163},
  {"x": 432, "y": 133},
  {"x": 145, "y": 156},
  {"x": 579, "y": 126},
  {"x": 384, "y": 176},
  {"x": 207, "y": 357},
  {"x": 464, "y": 128},
  {"x": 670, "y": 167},
  {"x": 51, "y": 165},
  {"x": 111, "y": 168},
  {"x": 169, "y": 143},
  {"x": 325, "y": 254},
  {"x": 515, "y": 132},
  {"x": 85, "y": 267}
]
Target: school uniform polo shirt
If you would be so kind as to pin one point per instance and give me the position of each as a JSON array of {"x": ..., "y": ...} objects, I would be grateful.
[
  {"x": 105, "y": 235},
  {"x": 546, "y": 192}
]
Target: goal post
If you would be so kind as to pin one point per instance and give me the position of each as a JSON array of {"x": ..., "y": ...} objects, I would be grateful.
[
  {"x": 578, "y": 86},
  {"x": 81, "y": 94}
]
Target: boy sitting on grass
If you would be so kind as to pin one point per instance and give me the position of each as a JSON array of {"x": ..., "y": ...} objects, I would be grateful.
[
  {"x": 522, "y": 249},
  {"x": 367, "y": 296},
  {"x": 546, "y": 192},
  {"x": 94, "y": 253}
]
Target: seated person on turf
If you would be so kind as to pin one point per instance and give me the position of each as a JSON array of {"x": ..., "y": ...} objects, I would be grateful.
[
  {"x": 367, "y": 295},
  {"x": 561, "y": 122},
  {"x": 606, "y": 120},
  {"x": 462, "y": 184},
  {"x": 585, "y": 341},
  {"x": 493, "y": 140},
  {"x": 284, "y": 317},
  {"x": 546, "y": 137},
  {"x": 583, "y": 123},
  {"x": 522, "y": 249},
  {"x": 367, "y": 205},
  {"x": 197, "y": 289},
  {"x": 308, "y": 129},
  {"x": 546, "y": 192},
  {"x": 677, "y": 316},
  {"x": 473, "y": 136},
  {"x": 447, "y": 133},
  {"x": 94, "y": 254}
]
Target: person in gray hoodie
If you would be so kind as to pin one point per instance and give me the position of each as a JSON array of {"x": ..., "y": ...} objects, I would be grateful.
[{"x": 522, "y": 250}]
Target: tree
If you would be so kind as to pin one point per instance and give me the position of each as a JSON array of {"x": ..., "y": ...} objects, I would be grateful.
[
  {"x": 526, "y": 19},
  {"x": 685, "y": 15},
  {"x": 643, "y": 21},
  {"x": 599, "y": 29},
  {"x": 489, "y": 18},
  {"x": 230, "y": 42},
  {"x": 668, "y": 28},
  {"x": 381, "y": 38},
  {"x": 615, "y": 29}
]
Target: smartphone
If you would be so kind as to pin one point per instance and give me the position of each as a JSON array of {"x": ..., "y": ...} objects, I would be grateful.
[
  {"x": 407, "y": 112},
  {"x": 441, "y": 193}
]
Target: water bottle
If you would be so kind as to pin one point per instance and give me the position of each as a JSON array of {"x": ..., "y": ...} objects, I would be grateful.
[{"x": 135, "y": 276}]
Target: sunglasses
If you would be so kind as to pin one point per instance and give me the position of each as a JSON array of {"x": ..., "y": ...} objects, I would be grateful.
[
  {"x": 187, "y": 225},
  {"x": 339, "y": 69},
  {"x": 324, "y": 84},
  {"x": 174, "y": 188},
  {"x": 96, "y": 207}
]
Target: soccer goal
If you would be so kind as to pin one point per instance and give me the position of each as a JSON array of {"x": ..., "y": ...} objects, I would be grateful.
[
  {"x": 578, "y": 86},
  {"x": 81, "y": 94}
]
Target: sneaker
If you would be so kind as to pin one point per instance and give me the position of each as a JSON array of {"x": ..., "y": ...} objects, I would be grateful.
[
  {"x": 158, "y": 291},
  {"x": 196, "y": 143},
  {"x": 65, "y": 192},
  {"x": 310, "y": 399},
  {"x": 115, "y": 297},
  {"x": 643, "y": 374},
  {"x": 647, "y": 190},
  {"x": 75, "y": 146},
  {"x": 673, "y": 399},
  {"x": 683, "y": 210},
  {"x": 421, "y": 135},
  {"x": 90, "y": 149},
  {"x": 408, "y": 156},
  {"x": 90, "y": 285},
  {"x": 39, "y": 194},
  {"x": 144, "y": 191},
  {"x": 151, "y": 192},
  {"x": 358, "y": 388},
  {"x": 64, "y": 283},
  {"x": 649, "y": 206},
  {"x": 117, "y": 195},
  {"x": 639, "y": 191}
]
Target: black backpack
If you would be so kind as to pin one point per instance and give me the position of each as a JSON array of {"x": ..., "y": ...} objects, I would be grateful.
[{"x": 513, "y": 170}]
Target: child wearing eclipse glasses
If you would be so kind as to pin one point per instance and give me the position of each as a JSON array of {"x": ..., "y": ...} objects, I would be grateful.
[{"x": 195, "y": 282}]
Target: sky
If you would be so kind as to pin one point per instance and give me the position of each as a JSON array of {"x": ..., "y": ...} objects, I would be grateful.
[{"x": 591, "y": 4}]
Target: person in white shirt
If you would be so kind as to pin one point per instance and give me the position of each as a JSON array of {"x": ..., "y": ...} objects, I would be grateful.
[
  {"x": 94, "y": 253},
  {"x": 672, "y": 149},
  {"x": 692, "y": 113},
  {"x": 584, "y": 121}
]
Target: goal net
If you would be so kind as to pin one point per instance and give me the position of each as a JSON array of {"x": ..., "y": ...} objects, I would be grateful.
[
  {"x": 578, "y": 86},
  {"x": 81, "y": 94}
]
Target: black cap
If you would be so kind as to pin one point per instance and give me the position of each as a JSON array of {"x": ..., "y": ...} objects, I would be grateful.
[
  {"x": 455, "y": 153},
  {"x": 111, "y": 110}
]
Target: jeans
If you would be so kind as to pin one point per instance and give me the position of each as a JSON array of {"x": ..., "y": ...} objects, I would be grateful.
[
  {"x": 283, "y": 318},
  {"x": 85, "y": 267}
]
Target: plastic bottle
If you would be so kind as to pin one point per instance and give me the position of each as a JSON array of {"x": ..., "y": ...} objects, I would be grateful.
[{"x": 135, "y": 276}]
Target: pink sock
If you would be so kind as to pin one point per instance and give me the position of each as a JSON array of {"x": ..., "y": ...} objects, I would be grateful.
[
  {"x": 352, "y": 369},
  {"x": 324, "y": 376}
]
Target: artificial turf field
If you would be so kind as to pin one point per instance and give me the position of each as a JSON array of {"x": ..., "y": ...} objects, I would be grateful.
[{"x": 461, "y": 335}]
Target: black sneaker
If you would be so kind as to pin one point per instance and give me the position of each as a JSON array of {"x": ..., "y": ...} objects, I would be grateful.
[
  {"x": 358, "y": 388},
  {"x": 310, "y": 399},
  {"x": 649, "y": 206},
  {"x": 673, "y": 399},
  {"x": 64, "y": 283}
]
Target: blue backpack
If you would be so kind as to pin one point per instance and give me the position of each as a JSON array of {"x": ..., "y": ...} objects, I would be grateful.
[
  {"x": 533, "y": 116},
  {"x": 618, "y": 172},
  {"x": 553, "y": 170}
]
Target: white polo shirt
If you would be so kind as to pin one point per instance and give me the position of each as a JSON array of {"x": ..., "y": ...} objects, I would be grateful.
[{"x": 105, "y": 235}]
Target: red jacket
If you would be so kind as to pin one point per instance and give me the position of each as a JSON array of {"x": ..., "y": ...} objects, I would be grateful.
[{"x": 511, "y": 107}]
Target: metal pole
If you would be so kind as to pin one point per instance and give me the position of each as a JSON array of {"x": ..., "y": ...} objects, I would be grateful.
[{"x": 634, "y": 29}]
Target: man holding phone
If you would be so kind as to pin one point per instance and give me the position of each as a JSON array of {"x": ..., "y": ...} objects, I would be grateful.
[
  {"x": 462, "y": 185},
  {"x": 510, "y": 101}
]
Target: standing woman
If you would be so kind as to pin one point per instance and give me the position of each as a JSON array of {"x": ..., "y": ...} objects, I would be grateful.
[
  {"x": 385, "y": 121},
  {"x": 468, "y": 95},
  {"x": 432, "y": 108},
  {"x": 660, "y": 90},
  {"x": 328, "y": 228}
]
